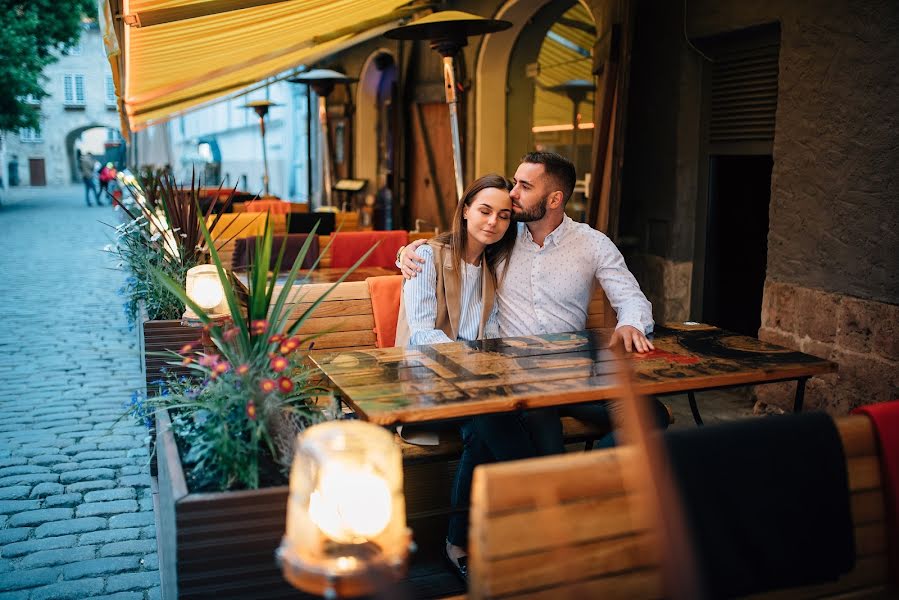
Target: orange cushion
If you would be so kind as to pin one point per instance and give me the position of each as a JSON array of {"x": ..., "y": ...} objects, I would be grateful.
[
  {"x": 275, "y": 207},
  {"x": 385, "y": 305},
  {"x": 348, "y": 247}
]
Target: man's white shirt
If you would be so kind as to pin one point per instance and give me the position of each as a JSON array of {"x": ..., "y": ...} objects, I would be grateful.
[{"x": 548, "y": 289}]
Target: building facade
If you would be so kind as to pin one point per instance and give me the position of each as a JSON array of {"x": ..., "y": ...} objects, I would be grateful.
[{"x": 81, "y": 99}]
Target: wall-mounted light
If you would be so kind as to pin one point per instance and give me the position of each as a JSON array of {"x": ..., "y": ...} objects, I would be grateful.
[
  {"x": 346, "y": 515},
  {"x": 204, "y": 287}
]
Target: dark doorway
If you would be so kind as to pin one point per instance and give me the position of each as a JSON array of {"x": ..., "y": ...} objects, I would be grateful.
[
  {"x": 37, "y": 174},
  {"x": 737, "y": 241}
]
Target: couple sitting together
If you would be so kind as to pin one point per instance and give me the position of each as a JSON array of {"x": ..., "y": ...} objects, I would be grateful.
[{"x": 514, "y": 265}]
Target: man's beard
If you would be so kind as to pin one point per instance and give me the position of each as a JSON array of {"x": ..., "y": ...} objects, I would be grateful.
[{"x": 535, "y": 213}]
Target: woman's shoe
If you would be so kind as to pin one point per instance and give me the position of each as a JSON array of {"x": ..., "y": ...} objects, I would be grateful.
[{"x": 459, "y": 568}]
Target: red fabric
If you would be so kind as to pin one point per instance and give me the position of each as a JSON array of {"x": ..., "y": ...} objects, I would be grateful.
[
  {"x": 885, "y": 416},
  {"x": 385, "y": 304},
  {"x": 275, "y": 207},
  {"x": 349, "y": 247}
]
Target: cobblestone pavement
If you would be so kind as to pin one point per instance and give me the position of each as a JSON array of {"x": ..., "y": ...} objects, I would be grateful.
[{"x": 76, "y": 512}]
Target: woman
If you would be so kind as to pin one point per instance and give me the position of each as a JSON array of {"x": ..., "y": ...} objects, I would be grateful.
[{"x": 453, "y": 299}]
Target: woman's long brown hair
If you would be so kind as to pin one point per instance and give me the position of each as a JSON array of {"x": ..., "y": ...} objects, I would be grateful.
[{"x": 457, "y": 238}]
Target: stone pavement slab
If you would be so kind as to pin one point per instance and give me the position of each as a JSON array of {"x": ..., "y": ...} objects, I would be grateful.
[{"x": 76, "y": 516}]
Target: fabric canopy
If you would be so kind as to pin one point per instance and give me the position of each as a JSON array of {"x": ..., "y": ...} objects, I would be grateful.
[{"x": 171, "y": 55}]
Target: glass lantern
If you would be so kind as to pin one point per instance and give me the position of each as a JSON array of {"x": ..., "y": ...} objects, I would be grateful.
[
  {"x": 204, "y": 287},
  {"x": 346, "y": 515}
]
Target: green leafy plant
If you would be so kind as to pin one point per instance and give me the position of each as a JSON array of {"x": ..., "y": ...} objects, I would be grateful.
[
  {"x": 251, "y": 389},
  {"x": 163, "y": 231}
]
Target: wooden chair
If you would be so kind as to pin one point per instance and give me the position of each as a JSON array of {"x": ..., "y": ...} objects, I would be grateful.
[
  {"x": 232, "y": 226},
  {"x": 574, "y": 534}
]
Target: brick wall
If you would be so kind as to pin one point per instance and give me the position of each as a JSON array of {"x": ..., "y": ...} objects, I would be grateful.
[{"x": 861, "y": 336}]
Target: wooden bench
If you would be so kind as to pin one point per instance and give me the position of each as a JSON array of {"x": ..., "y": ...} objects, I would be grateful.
[{"x": 575, "y": 534}]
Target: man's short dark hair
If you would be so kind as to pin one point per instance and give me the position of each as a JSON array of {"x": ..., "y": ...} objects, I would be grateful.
[{"x": 557, "y": 167}]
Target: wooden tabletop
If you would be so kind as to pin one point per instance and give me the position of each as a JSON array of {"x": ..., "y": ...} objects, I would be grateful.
[{"x": 442, "y": 381}]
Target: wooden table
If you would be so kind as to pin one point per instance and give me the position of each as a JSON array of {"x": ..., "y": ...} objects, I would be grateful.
[{"x": 443, "y": 381}]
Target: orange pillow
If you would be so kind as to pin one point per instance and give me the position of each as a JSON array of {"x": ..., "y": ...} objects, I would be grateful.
[{"x": 385, "y": 294}]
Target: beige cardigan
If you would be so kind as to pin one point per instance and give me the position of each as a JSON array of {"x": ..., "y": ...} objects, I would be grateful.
[{"x": 449, "y": 295}]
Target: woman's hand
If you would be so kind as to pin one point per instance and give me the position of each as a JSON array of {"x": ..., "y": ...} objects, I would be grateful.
[{"x": 410, "y": 261}]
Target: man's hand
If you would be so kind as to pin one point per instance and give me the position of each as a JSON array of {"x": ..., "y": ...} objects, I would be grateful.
[
  {"x": 409, "y": 260},
  {"x": 632, "y": 338}
]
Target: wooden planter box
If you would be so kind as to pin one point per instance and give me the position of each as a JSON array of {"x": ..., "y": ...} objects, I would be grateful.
[
  {"x": 158, "y": 336},
  {"x": 216, "y": 545}
]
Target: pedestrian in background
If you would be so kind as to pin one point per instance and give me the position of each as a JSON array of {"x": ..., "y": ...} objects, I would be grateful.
[
  {"x": 107, "y": 175},
  {"x": 87, "y": 176}
]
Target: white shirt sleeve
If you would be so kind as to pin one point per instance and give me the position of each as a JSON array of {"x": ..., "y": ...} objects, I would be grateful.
[
  {"x": 420, "y": 300},
  {"x": 622, "y": 289}
]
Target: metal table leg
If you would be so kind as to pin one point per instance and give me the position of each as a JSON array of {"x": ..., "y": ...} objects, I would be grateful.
[
  {"x": 694, "y": 408},
  {"x": 800, "y": 394}
]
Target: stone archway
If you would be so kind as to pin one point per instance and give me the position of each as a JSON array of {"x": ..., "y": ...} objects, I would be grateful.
[
  {"x": 72, "y": 156},
  {"x": 492, "y": 68}
]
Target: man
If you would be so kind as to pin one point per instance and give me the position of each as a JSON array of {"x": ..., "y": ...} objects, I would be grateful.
[
  {"x": 86, "y": 167},
  {"x": 547, "y": 286}
]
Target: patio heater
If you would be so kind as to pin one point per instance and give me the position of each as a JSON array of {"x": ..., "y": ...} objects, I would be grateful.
[
  {"x": 448, "y": 32},
  {"x": 322, "y": 82},
  {"x": 576, "y": 90},
  {"x": 261, "y": 108}
]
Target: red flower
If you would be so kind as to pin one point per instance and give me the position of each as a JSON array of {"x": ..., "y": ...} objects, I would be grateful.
[
  {"x": 242, "y": 369},
  {"x": 285, "y": 385},
  {"x": 221, "y": 367},
  {"x": 290, "y": 345},
  {"x": 259, "y": 326},
  {"x": 268, "y": 385},
  {"x": 278, "y": 364},
  {"x": 230, "y": 333},
  {"x": 251, "y": 410},
  {"x": 186, "y": 348},
  {"x": 275, "y": 339},
  {"x": 187, "y": 360},
  {"x": 209, "y": 360}
]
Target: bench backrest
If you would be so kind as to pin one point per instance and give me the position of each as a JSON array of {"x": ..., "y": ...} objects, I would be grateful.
[
  {"x": 575, "y": 534},
  {"x": 347, "y": 317}
]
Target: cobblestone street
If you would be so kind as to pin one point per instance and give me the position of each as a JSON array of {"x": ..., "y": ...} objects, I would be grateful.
[{"x": 76, "y": 511}]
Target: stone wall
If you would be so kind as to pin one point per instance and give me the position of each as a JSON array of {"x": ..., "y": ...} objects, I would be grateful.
[
  {"x": 666, "y": 284},
  {"x": 861, "y": 336}
]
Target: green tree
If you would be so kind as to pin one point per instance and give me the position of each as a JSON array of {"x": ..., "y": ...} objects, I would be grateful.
[{"x": 34, "y": 32}]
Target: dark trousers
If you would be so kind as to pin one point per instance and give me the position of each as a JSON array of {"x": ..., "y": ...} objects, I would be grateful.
[
  {"x": 600, "y": 415},
  {"x": 496, "y": 438},
  {"x": 90, "y": 189}
]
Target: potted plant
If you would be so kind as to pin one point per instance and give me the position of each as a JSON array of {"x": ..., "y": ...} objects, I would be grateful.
[
  {"x": 225, "y": 433},
  {"x": 161, "y": 231}
]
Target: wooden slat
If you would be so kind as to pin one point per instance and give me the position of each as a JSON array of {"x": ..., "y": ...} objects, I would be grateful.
[
  {"x": 334, "y": 324},
  {"x": 348, "y": 290},
  {"x": 592, "y": 559},
  {"x": 333, "y": 308},
  {"x": 626, "y": 586},
  {"x": 557, "y": 525},
  {"x": 340, "y": 340}
]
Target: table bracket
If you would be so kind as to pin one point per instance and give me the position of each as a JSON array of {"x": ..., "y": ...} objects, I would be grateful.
[
  {"x": 800, "y": 394},
  {"x": 694, "y": 408}
]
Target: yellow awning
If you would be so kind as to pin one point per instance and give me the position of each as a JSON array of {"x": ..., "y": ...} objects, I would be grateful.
[{"x": 171, "y": 55}]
